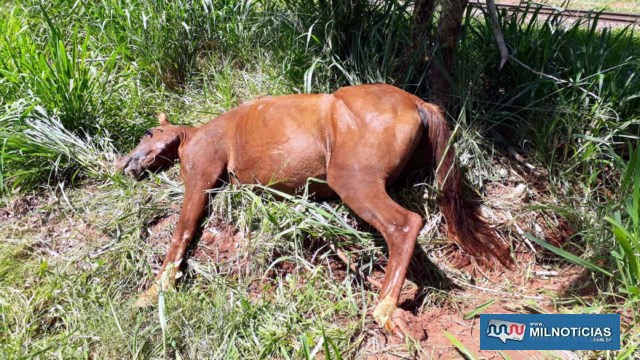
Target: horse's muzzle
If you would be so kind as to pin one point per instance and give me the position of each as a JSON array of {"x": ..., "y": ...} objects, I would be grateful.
[
  {"x": 122, "y": 163},
  {"x": 130, "y": 167}
]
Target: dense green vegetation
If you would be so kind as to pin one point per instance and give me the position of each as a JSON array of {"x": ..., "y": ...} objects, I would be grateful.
[{"x": 81, "y": 81}]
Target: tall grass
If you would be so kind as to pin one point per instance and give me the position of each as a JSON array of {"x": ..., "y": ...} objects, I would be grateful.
[
  {"x": 100, "y": 68},
  {"x": 62, "y": 75},
  {"x": 96, "y": 65},
  {"x": 579, "y": 97},
  {"x": 355, "y": 42},
  {"x": 626, "y": 227},
  {"x": 81, "y": 79},
  {"x": 168, "y": 38},
  {"x": 38, "y": 148}
]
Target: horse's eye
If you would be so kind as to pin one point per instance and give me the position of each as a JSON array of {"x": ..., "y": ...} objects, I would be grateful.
[{"x": 148, "y": 133}]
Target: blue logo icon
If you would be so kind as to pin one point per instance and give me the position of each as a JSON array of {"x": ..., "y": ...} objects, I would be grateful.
[{"x": 506, "y": 330}]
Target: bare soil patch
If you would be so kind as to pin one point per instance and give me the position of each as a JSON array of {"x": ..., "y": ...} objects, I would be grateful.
[
  {"x": 50, "y": 233},
  {"x": 218, "y": 244}
]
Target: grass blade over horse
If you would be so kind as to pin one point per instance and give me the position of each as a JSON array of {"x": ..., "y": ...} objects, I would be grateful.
[{"x": 360, "y": 139}]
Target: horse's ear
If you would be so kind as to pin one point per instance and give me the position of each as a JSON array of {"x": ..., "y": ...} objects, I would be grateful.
[{"x": 162, "y": 119}]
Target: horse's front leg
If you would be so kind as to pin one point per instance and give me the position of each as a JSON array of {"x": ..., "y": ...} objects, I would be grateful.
[{"x": 193, "y": 209}]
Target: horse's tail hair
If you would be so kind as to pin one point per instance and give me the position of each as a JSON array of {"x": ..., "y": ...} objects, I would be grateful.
[{"x": 465, "y": 224}]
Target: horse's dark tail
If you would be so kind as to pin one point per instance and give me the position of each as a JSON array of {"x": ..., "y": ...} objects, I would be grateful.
[{"x": 465, "y": 224}]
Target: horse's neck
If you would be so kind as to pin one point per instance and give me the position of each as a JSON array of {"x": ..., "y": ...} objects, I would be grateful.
[
  {"x": 216, "y": 131},
  {"x": 185, "y": 134}
]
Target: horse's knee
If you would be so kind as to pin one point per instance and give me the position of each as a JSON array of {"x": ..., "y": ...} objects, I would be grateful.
[
  {"x": 403, "y": 234},
  {"x": 415, "y": 222},
  {"x": 409, "y": 226}
]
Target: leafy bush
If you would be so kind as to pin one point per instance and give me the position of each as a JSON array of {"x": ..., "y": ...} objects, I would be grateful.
[{"x": 575, "y": 95}]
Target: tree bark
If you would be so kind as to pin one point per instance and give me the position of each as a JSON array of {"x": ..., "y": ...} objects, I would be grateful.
[
  {"x": 443, "y": 67},
  {"x": 422, "y": 19},
  {"x": 418, "y": 51}
]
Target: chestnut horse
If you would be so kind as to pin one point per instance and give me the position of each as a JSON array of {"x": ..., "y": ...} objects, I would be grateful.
[{"x": 360, "y": 139}]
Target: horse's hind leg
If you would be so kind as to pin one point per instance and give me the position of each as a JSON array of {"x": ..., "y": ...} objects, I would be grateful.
[{"x": 366, "y": 195}]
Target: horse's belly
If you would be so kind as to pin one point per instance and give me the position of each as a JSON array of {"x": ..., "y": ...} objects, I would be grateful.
[
  {"x": 282, "y": 144},
  {"x": 285, "y": 168}
]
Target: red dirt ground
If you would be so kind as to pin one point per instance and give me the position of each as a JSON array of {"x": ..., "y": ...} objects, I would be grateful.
[
  {"x": 517, "y": 290},
  {"x": 513, "y": 291}
]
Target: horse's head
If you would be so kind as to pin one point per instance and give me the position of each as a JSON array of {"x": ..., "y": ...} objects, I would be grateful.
[{"x": 157, "y": 150}]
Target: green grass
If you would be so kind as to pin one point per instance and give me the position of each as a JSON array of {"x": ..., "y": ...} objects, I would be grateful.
[
  {"x": 626, "y": 6},
  {"x": 72, "y": 297},
  {"x": 626, "y": 228},
  {"x": 81, "y": 81}
]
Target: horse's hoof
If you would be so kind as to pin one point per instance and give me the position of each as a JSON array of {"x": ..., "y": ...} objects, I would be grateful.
[
  {"x": 147, "y": 298},
  {"x": 396, "y": 321},
  {"x": 383, "y": 314}
]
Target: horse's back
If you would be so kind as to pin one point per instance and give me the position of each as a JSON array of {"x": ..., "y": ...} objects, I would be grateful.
[{"x": 287, "y": 139}]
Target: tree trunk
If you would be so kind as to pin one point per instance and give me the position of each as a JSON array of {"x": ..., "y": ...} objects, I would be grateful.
[
  {"x": 422, "y": 18},
  {"x": 448, "y": 27},
  {"x": 420, "y": 48}
]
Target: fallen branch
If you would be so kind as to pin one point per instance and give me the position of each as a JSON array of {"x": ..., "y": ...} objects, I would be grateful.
[
  {"x": 557, "y": 80},
  {"x": 495, "y": 23},
  {"x": 353, "y": 266}
]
